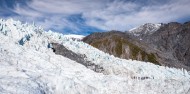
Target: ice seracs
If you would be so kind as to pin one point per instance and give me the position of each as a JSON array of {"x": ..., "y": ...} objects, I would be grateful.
[{"x": 33, "y": 68}]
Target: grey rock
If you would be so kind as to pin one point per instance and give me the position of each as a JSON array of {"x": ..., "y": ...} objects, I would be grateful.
[
  {"x": 61, "y": 50},
  {"x": 172, "y": 40}
]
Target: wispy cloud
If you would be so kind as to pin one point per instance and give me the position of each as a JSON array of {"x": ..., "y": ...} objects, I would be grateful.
[
  {"x": 94, "y": 15},
  {"x": 138, "y": 14}
]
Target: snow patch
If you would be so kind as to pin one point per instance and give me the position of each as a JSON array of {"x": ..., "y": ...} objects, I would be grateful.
[{"x": 147, "y": 28}]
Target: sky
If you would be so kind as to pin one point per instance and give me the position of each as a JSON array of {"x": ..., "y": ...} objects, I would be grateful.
[{"x": 87, "y": 16}]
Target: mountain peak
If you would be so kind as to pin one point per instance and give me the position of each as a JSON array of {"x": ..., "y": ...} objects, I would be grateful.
[{"x": 147, "y": 28}]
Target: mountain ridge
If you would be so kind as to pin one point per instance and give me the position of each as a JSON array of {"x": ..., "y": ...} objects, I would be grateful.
[{"x": 152, "y": 43}]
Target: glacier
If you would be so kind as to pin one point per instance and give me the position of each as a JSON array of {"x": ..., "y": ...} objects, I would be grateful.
[{"x": 28, "y": 65}]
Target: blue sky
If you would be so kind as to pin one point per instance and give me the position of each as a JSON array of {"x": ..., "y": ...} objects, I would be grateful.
[{"x": 88, "y": 16}]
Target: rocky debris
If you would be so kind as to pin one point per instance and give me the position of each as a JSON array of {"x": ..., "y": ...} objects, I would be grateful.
[
  {"x": 142, "y": 78},
  {"x": 61, "y": 50}
]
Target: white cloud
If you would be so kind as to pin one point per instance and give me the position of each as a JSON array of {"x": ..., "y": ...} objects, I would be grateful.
[
  {"x": 66, "y": 7},
  {"x": 26, "y": 11},
  {"x": 146, "y": 14},
  {"x": 103, "y": 14}
]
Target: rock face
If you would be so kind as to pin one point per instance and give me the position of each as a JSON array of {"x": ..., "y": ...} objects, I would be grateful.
[
  {"x": 61, "y": 50},
  {"x": 121, "y": 45},
  {"x": 172, "y": 40},
  {"x": 164, "y": 44}
]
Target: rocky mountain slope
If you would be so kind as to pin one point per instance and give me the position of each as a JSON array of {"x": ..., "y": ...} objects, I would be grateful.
[
  {"x": 121, "y": 45},
  {"x": 172, "y": 41},
  {"x": 163, "y": 44},
  {"x": 33, "y": 61}
]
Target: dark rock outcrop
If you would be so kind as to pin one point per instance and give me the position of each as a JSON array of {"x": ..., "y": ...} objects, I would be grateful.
[{"x": 61, "y": 50}]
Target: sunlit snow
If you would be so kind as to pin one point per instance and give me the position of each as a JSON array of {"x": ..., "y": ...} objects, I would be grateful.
[
  {"x": 29, "y": 66},
  {"x": 147, "y": 28}
]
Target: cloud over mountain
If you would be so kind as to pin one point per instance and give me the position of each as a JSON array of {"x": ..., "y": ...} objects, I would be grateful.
[{"x": 86, "y": 16}]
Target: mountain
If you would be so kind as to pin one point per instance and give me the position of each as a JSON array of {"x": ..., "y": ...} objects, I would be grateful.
[
  {"x": 172, "y": 41},
  {"x": 34, "y": 61},
  {"x": 145, "y": 29},
  {"x": 162, "y": 44},
  {"x": 121, "y": 45}
]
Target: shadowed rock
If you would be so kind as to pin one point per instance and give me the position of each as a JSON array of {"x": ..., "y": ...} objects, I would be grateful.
[{"x": 61, "y": 50}]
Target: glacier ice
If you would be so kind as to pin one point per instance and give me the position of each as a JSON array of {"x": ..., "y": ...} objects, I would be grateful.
[{"x": 33, "y": 68}]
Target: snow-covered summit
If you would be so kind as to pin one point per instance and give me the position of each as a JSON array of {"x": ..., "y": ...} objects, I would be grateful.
[
  {"x": 147, "y": 28},
  {"x": 29, "y": 66}
]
